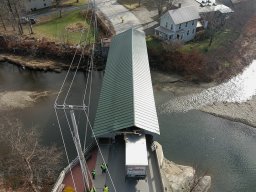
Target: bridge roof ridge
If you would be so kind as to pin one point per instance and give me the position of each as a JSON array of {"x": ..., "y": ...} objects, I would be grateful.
[{"x": 126, "y": 97}]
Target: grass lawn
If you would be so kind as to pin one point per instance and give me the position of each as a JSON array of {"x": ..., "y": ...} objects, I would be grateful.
[
  {"x": 74, "y": 2},
  {"x": 153, "y": 43},
  {"x": 55, "y": 29},
  {"x": 220, "y": 39}
]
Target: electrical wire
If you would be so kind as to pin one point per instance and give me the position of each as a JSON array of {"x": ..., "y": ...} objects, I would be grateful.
[
  {"x": 64, "y": 81},
  {"x": 73, "y": 137},
  {"x": 90, "y": 67},
  {"x": 77, "y": 67},
  {"x": 65, "y": 149},
  {"x": 97, "y": 143}
]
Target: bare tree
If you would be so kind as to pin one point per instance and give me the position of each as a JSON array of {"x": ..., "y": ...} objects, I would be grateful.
[
  {"x": 29, "y": 163},
  {"x": 6, "y": 16},
  {"x": 11, "y": 10},
  {"x": 162, "y": 5},
  {"x": 196, "y": 185},
  {"x": 2, "y": 15},
  {"x": 216, "y": 22},
  {"x": 58, "y": 4}
]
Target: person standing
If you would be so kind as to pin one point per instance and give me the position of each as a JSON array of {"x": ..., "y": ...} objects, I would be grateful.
[
  {"x": 103, "y": 168},
  {"x": 105, "y": 189},
  {"x": 93, "y": 174}
]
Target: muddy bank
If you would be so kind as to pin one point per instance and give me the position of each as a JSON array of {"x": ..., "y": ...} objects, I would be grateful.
[
  {"x": 20, "y": 99},
  {"x": 42, "y": 54},
  {"x": 179, "y": 91},
  {"x": 27, "y": 62},
  {"x": 176, "y": 84},
  {"x": 33, "y": 63},
  {"x": 240, "y": 112}
]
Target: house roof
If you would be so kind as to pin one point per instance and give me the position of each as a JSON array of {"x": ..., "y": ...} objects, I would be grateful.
[
  {"x": 126, "y": 97},
  {"x": 184, "y": 14},
  {"x": 223, "y": 9}
]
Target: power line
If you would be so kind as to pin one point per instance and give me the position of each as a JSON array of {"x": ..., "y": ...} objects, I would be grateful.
[
  {"x": 64, "y": 106},
  {"x": 100, "y": 151},
  {"x": 65, "y": 149}
]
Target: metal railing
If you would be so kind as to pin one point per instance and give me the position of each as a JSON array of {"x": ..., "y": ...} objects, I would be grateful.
[{"x": 71, "y": 166}]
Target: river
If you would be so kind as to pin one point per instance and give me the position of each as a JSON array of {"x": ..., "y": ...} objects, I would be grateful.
[{"x": 225, "y": 149}]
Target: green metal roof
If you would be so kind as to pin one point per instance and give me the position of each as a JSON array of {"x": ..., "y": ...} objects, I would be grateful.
[{"x": 126, "y": 97}]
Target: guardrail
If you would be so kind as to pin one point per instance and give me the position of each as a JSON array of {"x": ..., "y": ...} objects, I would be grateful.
[
  {"x": 57, "y": 186},
  {"x": 157, "y": 149}
]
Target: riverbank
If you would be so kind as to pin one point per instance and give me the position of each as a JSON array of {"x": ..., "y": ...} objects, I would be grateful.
[
  {"x": 178, "y": 178},
  {"x": 194, "y": 94},
  {"x": 38, "y": 64},
  {"x": 28, "y": 62},
  {"x": 239, "y": 112},
  {"x": 10, "y": 100}
]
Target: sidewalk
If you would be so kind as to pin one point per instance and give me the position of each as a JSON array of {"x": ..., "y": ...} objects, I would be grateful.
[{"x": 115, "y": 13}]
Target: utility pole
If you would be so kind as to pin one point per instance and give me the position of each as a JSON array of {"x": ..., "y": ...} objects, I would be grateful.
[{"x": 79, "y": 150}]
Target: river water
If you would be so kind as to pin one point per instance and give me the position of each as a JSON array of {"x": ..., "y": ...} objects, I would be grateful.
[{"x": 225, "y": 149}]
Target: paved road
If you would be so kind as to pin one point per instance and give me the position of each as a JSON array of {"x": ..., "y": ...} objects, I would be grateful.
[
  {"x": 148, "y": 18},
  {"x": 116, "y": 164},
  {"x": 115, "y": 12},
  {"x": 52, "y": 11}
]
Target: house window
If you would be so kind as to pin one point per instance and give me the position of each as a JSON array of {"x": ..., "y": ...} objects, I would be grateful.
[
  {"x": 193, "y": 31},
  {"x": 193, "y": 22},
  {"x": 171, "y": 27},
  {"x": 45, "y": 4},
  {"x": 186, "y": 24},
  {"x": 170, "y": 37},
  {"x": 166, "y": 24},
  {"x": 188, "y": 32},
  {"x": 180, "y": 26},
  {"x": 181, "y": 37},
  {"x": 178, "y": 36}
]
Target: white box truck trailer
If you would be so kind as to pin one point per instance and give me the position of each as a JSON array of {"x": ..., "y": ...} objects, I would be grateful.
[{"x": 136, "y": 156}]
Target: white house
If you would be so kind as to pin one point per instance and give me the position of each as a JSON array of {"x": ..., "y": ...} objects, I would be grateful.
[
  {"x": 32, "y": 5},
  {"x": 178, "y": 24}
]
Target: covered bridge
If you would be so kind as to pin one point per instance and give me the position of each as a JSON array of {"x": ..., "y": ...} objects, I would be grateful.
[{"x": 126, "y": 98}]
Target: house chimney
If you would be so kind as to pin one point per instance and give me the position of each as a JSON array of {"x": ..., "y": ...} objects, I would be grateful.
[{"x": 179, "y": 5}]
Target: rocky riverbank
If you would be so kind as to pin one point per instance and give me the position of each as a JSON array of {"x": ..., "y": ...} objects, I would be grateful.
[{"x": 179, "y": 178}]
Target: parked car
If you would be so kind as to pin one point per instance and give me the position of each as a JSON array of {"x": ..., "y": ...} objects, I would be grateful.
[
  {"x": 24, "y": 20},
  {"x": 32, "y": 21}
]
